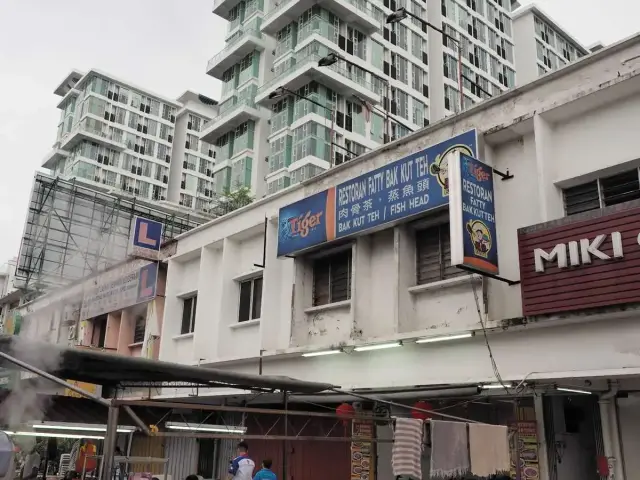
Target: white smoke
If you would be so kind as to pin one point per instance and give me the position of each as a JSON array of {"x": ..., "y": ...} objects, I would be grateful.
[{"x": 30, "y": 394}]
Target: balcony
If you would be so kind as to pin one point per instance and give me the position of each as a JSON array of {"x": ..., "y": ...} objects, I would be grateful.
[
  {"x": 86, "y": 130},
  {"x": 232, "y": 113},
  {"x": 335, "y": 77},
  {"x": 53, "y": 156},
  {"x": 223, "y": 7},
  {"x": 355, "y": 12},
  {"x": 244, "y": 42}
]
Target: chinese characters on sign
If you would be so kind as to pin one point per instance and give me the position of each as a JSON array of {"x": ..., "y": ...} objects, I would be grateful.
[
  {"x": 390, "y": 193},
  {"x": 472, "y": 214},
  {"x": 412, "y": 185}
]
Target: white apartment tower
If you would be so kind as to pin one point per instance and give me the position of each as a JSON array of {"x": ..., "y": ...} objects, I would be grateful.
[
  {"x": 541, "y": 44},
  {"x": 389, "y": 79},
  {"x": 115, "y": 136}
]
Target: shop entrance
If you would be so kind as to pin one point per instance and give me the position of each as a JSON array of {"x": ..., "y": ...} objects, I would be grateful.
[{"x": 574, "y": 436}]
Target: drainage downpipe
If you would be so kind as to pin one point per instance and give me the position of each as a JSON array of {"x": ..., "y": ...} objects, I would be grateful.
[{"x": 610, "y": 432}]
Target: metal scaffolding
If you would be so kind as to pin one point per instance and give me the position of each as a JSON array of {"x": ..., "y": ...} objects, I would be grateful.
[{"x": 73, "y": 231}]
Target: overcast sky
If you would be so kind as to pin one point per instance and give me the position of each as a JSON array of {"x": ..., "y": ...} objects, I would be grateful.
[{"x": 162, "y": 45}]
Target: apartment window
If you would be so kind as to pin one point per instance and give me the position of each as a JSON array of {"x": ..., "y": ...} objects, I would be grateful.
[
  {"x": 189, "y": 314},
  {"x": 332, "y": 278},
  {"x": 139, "y": 328},
  {"x": 433, "y": 255},
  {"x": 250, "y": 299},
  {"x": 603, "y": 192}
]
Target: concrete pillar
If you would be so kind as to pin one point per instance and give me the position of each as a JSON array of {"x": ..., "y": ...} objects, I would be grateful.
[{"x": 543, "y": 458}]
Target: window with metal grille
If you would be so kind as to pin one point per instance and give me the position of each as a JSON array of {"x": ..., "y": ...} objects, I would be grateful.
[
  {"x": 139, "y": 328},
  {"x": 433, "y": 255},
  {"x": 332, "y": 278},
  {"x": 189, "y": 314},
  {"x": 602, "y": 192},
  {"x": 250, "y": 300}
]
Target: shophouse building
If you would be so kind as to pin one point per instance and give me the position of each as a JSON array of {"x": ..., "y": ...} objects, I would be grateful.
[{"x": 347, "y": 278}]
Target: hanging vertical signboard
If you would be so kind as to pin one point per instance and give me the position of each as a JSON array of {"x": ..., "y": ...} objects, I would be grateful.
[
  {"x": 362, "y": 451},
  {"x": 474, "y": 245}
]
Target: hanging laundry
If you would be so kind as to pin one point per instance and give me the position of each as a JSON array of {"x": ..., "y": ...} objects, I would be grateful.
[
  {"x": 488, "y": 449},
  {"x": 449, "y": 450},
  {"x": 406, "y": 458}
]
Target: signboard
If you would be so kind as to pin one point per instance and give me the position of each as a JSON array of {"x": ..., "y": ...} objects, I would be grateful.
[
  {"x": 361, "y": 452},
  {"x": 472, "y": 214},
  {"x": 583, "y": 261},
  {"x": 146, "y": 238},
  {"x": 395, "y": 192},
  {"x": 528, "y": 451},
  {"x": 87, "y": 387},
  {"x": 122, "y": 287}
]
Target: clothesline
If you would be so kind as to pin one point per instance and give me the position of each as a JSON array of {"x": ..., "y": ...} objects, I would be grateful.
[{"x": 409, "y": 407}]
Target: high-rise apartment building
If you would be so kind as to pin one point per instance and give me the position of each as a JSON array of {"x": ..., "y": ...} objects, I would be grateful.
[
  {"x": 542, "y": 45},
  {"x": 389, "y": 79},
  {"x": 115, "y": 136}
]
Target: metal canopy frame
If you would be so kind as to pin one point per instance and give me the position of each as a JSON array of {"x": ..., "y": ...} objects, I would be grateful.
[{"x": 285, "y": 384}]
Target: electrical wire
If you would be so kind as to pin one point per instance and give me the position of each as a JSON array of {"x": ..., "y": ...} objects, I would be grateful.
[{"x": 494, "y": 365}]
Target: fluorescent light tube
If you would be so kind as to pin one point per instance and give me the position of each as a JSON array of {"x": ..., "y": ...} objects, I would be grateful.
[
  {"x": 321, "y": 353},
  {"x": 495, "y": 386},
  {"x": 206, "y": 428},
  {"x": 380, "y": 346},
  {"x": 444, "y": 338},
  {"x": 54, "y": 435},
  {"x": 573, "y": 390},
  {"x": 85, "y": 427}
]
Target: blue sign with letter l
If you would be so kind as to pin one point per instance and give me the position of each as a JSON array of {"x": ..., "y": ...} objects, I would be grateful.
[{"x": 147, "y": 234}]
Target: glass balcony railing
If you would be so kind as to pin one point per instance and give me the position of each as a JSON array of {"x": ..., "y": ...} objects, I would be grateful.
[
  {"x": 228, "y": 108},
  {"x": 313, "y": 60},
  {"x": 242, "y": 34},
  {"x": 327, "y": 30},
  {"x": 361, "y": 5}
]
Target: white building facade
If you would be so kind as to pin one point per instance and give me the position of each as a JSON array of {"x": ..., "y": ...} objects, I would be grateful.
[
  {"x": 541, "y": 44},
  {"x": 116, "y": 136},
  {"x": 390, "y": 79},
  {"x": 230, "y": 305}
]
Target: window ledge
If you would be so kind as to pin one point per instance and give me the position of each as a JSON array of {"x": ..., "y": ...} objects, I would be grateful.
[
  {"x": 245, "y": 324},
  {"x": 183, "y": 336},
  {"x": 450, "y": 282},
  {"x": 135, "y": 344},
  {"x": 250, "y": 275},
  {"x": 329, "y": 306}
]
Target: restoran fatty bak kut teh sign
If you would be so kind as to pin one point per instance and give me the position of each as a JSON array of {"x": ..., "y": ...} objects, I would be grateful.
[
  {"x": 472, "y": 214},
  {"x": 392, "y": 193}
]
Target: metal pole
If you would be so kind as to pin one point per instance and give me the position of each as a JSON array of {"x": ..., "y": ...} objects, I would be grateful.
[
  {"x": 137, "y": 420},
  {"x": 460, "y": 75},
  {"x": 285, "y": 453},
  {"x": 54, "y": 379},
  {"x": 332, "y": 134},
  {"x": 110, "y": 442},
  {"x": 386, "y": 112}
]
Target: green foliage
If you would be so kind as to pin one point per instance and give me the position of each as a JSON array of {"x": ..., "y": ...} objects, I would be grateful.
[{"x": 232, "y": 200}]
